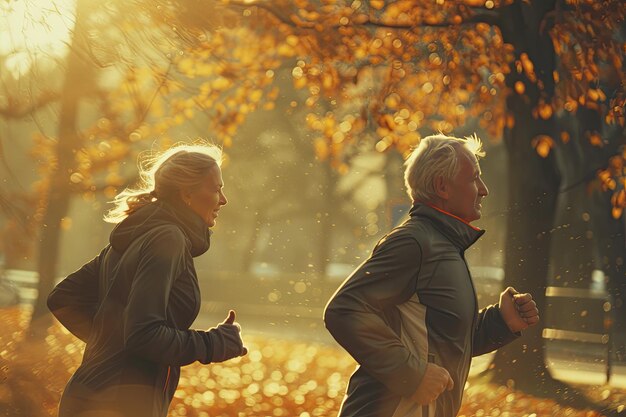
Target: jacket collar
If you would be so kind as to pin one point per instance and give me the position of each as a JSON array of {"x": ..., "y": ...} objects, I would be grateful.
[
  {"x": 158, "y": 213},
  {"x": 458, "y": 231}
]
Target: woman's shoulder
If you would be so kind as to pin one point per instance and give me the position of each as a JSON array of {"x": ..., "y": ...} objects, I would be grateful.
[{"x": 167, "y": 236}]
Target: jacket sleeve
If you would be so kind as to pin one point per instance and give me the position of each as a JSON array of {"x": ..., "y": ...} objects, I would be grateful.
[
  {"x": 491, "y": 332},
  {"x": 355, "y": 314},
  {"x": 74, "y": 300},
  {"x": 146, "y": 331}
]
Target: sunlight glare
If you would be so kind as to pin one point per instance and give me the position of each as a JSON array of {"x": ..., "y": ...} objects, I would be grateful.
[{"x": 33, "y": 29}]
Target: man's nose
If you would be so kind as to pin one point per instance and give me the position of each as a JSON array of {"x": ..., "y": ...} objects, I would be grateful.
[{"x": 483, "y": 191}]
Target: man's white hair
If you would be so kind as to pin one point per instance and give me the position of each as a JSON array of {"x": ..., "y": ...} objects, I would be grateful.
[{"x": 436, "y": 156}]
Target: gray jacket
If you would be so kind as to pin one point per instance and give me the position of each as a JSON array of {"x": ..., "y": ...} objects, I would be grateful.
[
  {"x": 133, "y": 306},
  {"x": 411, "y": 302}
]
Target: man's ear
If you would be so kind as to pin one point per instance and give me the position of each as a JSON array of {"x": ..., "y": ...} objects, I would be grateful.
[{"x": 442, "y": 188}]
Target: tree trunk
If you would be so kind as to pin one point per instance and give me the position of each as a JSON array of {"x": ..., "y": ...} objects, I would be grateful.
[
  {"x": 60, "y": 187},
  {"x": 325, "y": 217},
  {"x": 532, "y": 206},
  {"x": 533, "y": 187},
  {"x": 249, "y": 252},
  {"x": 609, "y": 247}
]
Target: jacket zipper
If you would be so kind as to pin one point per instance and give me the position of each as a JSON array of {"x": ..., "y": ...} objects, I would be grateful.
[
  {"x": 473, "y": 330},
  {"x": 426, "y": 408},
  {"x": 167, "y": 380}
]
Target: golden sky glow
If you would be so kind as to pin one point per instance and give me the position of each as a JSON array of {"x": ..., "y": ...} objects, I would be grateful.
[{"x": 33, "y": 31}]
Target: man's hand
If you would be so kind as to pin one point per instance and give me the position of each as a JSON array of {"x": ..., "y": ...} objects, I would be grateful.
[
  {"x": 518, "y": 311},
  {"x": 436, "y": 380}
]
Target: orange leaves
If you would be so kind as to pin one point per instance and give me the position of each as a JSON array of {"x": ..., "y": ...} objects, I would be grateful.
[
  {"x": 613, "y": 178},
  {"x": 596, "y": 94},
  {"x": 594, "y": 138},
  {"x": 528, "y": 67},
  {"x": 334, "y": 135},
  {"x": 543, "y": 144},
  {"x": 279, "y": 376},
  {"x": 544, "y": 110},
  {"x": 588, "y": 51},
  {"x": 474, "y": 3},
  {"x": 618, "y": 200},
  {"x": 377, "y": 4}
]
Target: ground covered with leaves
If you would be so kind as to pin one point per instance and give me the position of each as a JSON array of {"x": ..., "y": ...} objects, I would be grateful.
[{"x": 278, "y": 377}]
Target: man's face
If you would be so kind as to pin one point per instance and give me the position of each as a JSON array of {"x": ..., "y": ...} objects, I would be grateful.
[{"x": 467, "y": 189}]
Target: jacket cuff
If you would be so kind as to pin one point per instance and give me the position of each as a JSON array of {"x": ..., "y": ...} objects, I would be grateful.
[
  {"x": 207, "y": 355},
  {"x": 408, "y": 383},
  {"x": 502, "y": 329}
]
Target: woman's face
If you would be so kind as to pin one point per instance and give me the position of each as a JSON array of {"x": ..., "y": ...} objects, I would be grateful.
[{"x": 208, "y": 198}]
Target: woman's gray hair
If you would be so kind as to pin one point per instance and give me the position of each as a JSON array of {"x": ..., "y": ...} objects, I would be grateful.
[
  {"x": 163, "y": 175},
  {"x": 436, "y": 156}
]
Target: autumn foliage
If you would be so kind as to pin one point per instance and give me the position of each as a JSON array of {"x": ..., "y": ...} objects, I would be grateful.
[
  {"x": 378, "y": 75},
  {"x": 278, "y": 377}
]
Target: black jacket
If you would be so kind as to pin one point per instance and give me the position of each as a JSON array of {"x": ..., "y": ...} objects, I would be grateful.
[
  {"x": 411, "y": 302},
  {"x": 133, "y": 305}
]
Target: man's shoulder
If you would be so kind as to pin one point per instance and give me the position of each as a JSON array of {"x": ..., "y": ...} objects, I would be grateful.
[
  {"x": 417, "y": 230},
  {"x": 414, "y": 227}
]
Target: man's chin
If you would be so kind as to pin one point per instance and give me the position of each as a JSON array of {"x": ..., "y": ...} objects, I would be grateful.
[{"x": 475, "y": 216}]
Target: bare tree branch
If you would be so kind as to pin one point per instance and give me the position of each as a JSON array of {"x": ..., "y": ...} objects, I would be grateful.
[{"x": 18, "y": 110}]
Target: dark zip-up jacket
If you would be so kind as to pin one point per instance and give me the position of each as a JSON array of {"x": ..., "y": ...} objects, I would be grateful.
[
  {"x": 413, "y": 301},
  {"x": 133, "y": 305}
]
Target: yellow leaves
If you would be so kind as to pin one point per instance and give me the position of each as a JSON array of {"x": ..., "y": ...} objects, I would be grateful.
[
  {"x": 434, "y": 59},
  {"x": 327, "y": 80},
  {"x": 186, "y": 66},
  {"x": 309, "y": 15},
  {"x": 520, "y": 88},
  {"x": 300, "y": 83},
  {"x": 292, "y": 40},
  {"x": 542, "y": 144},
  {"x": 381, "y": 146},
  {"x": 322, "y": 150},
  {"x": 285, "y": 50},
  {"x": 220, "y": 84},
  {"x": 256, "y": 95},
  {"x": 392, "y": 101},
  {"x": 110, "y": 192}
]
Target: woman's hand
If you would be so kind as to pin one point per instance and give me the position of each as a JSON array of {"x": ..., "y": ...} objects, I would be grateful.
[{"x": 226, "y": 340}]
